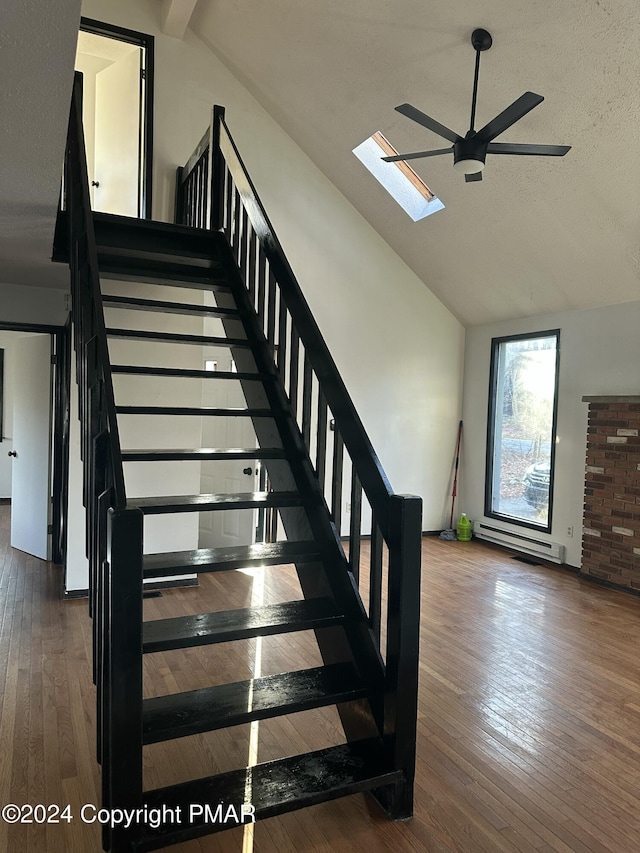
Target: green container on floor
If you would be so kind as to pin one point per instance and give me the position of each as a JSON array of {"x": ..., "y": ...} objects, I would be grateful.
[{"x": 464, "y": 528}]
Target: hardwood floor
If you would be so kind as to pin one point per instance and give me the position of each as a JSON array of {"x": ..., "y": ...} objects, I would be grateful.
[{"x": 529, "y": 729}]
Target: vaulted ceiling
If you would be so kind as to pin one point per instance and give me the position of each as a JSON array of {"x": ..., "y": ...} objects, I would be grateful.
[{"x": 537, "y": 234}]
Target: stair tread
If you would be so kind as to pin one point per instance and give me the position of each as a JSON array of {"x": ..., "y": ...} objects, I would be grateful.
[
  {"x": 123, "y": 266},
  {"x": 135, "y": 259},
  {"x": 175, "y": 337},
  {"x": 195, "y": 410},
  {"x": 226, "y": 705},
  {"x": 167, "y": 307},
  {"x": 123, "y": 272},
  {"x": 202, "y": 453},
  {"x": 207, "y": 503},
  {"x": 273, "y": 788},
  {"x": 157, "y": 255},
  {"x": 221, "y": 627},
  {"x": 140, "y": 370},
  {"x": 229, "y": 558}
]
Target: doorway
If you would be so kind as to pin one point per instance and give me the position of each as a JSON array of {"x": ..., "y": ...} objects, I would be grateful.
[
  {"x": 117, "y": 110},
  {"x": 33, "y": 448}
]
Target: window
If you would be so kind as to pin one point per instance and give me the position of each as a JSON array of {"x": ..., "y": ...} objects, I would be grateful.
[{"x": 522, "y": 427}]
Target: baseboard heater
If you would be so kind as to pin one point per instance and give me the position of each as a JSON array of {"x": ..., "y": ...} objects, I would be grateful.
[{"x": 537, "y": 547}]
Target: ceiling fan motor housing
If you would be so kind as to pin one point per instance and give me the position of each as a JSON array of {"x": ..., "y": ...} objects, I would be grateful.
[{"x": 469, "y": 156}]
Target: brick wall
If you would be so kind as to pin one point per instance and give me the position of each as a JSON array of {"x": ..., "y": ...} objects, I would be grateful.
[{"x": 611, "y": 523}]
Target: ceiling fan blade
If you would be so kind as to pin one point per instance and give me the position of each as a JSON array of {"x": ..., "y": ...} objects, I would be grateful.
[
  {"x": 510, "y": 116},
  {"x": 523, "y": 148},
  {"x": 428, "y": 122},
  {"x": 474, "y": 176},
  {"x": 416, "y": 154}
]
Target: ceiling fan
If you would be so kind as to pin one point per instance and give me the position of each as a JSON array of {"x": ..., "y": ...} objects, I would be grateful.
[{"x": 470, "y": 151}]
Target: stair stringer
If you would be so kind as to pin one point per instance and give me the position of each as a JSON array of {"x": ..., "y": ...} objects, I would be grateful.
[{"x": 355, "y": 641}]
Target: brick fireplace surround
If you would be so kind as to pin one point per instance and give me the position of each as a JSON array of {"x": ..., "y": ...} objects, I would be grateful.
[{"x": 611, "y": 523}]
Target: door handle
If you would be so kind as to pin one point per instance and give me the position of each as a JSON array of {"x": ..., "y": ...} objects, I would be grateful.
[
  {"x": 247, "y": 471},
  {"x": 12, "y": 453},
  {"x": 95, "y": 183}
]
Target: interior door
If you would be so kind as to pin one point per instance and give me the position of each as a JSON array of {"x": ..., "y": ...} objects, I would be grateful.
[
  {"x": 31, "y": 474},
  {"x": 227, "y": 528},
  {"x": 118, "y": 128}
]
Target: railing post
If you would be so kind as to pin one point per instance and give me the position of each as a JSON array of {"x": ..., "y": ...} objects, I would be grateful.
[
  {"x": 217, "y": 171},
  {"x": 403, "y": 642},
  {"x": 122, "y": 693}
]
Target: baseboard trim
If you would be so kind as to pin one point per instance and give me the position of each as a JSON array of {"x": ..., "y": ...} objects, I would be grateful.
[
  {"x": 5, "y": 501},
  {"x": 70, "y": 594},
  {"x": 171, "y": 584},
  {"x": 367, "y": 536},
  {"x": 607, "y": 584}
]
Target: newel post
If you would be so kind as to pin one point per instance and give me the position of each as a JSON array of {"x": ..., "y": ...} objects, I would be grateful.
[
  {"x": 122, "y": 781},
  {"x": 216, "y": 170},
  {"x": 403, "y": 643}
]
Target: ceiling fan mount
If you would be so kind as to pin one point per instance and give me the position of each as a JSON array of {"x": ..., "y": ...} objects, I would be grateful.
[
  {"x": 470, "y": 151},
  {"x": 481, "y": 39}
]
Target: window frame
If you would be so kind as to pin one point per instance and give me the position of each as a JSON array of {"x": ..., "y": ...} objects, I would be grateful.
[{"x": 490, "y": 444}]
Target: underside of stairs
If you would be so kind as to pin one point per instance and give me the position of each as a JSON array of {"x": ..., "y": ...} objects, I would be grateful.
[{"x": 144, "y": 295}]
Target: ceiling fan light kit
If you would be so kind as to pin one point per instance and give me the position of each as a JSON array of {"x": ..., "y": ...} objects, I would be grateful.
[{"x": 470, "y": 151}]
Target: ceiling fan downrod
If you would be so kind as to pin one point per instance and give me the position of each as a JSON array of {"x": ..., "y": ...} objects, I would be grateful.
[{"x": 481, "y": 40}]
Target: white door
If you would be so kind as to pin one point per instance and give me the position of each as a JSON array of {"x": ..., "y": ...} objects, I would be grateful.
[
  {"x": 31, "y": 474},
  {"x": 117, "y": 153},
  {"x": 227, "y": 528}
]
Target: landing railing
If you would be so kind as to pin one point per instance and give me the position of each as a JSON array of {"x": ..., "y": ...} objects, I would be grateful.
[
  {"x": 113, "y": 531},
  {"x": 382, "y": 531}
]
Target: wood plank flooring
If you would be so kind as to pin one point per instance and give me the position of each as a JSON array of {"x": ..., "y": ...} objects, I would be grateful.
[{"x": 529, "y": 729}]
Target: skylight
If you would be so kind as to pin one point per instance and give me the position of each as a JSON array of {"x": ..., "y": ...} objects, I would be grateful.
[{"x": 399, "y": 179}]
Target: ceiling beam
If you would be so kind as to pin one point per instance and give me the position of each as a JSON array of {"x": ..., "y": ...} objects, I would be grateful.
[{"x": 176, "y": 15}]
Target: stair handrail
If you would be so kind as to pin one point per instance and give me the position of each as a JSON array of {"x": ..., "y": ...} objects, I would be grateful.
[
  {"x": 356, "y": 440},
  {"x": 87, "y": 306}
]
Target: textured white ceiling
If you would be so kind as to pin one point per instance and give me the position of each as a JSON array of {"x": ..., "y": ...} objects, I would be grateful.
[{"x": 537, "y": 234}]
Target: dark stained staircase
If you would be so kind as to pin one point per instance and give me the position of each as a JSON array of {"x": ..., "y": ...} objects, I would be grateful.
[{"x": 309, "y": 441}]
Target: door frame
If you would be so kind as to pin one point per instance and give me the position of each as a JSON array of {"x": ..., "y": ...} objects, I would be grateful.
[
  {"x": 61, "y": 360},
  {"x": 100, "y": 28}
]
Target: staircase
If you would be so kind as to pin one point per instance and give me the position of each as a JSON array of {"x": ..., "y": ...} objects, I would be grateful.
[{"x": 232, "y": 277}]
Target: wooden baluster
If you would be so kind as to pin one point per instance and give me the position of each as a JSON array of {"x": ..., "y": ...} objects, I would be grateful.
[
  {"x": 235, "y": 242},
  {"x": 321, "y": 439},
  {"x": 253, "y": 249},
  {"x": 375, "y": 578},
  {"x": 204, "y": 193},
  {"x": 262, "y": 279},
  {"x": 230, "y": 193},
  {"x": 271, "y": 311},
  {"x": 336, "y": 480},
  {"x": 293, "y": 370},
  {"x": 355, "y": 524},
  {"x": 282, "y": 337},
  {"x": 244, "y": 241},
  {"x": 307, "y": 389}
]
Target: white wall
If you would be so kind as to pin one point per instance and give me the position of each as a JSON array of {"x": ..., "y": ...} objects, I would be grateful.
[
  {"x": 599, "y": 354},
  {"x": 400, "y": 351}
]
